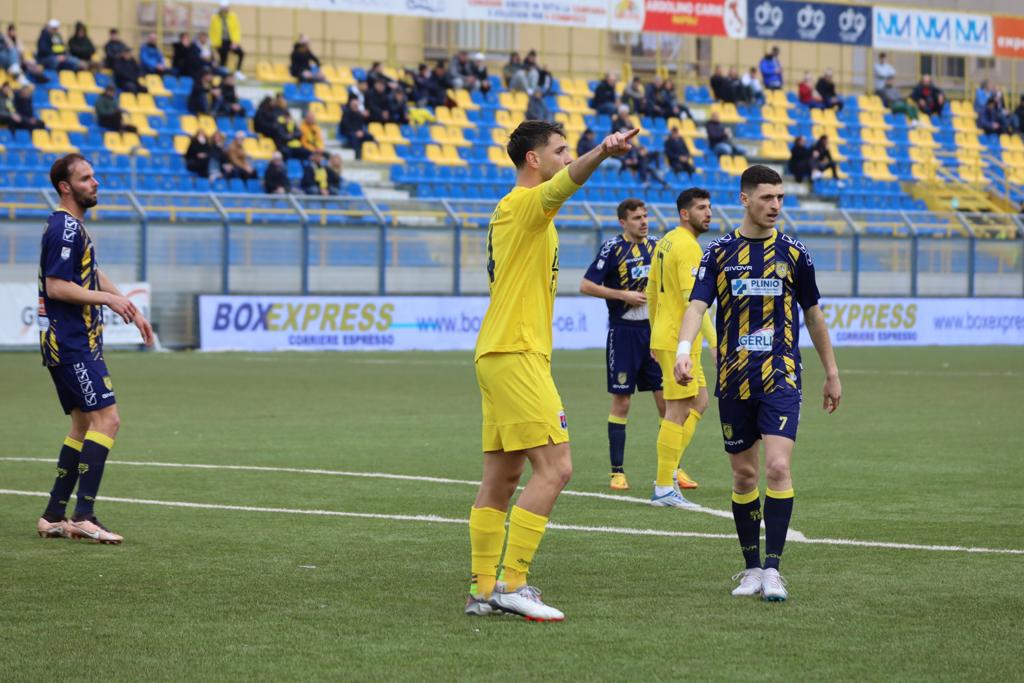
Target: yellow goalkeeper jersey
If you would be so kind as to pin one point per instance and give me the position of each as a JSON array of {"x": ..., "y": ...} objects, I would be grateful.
[
  {"x": 522, "y": 265},
  {"x": 673, "y": 272}
]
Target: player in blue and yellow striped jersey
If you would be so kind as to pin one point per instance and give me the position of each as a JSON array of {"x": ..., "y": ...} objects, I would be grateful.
[
  {"x": 72, "y": 292},
  {"x": 619, "y": 276},
  {"x": 761, "y": 279},
  {"x": 523, "y": 419}
]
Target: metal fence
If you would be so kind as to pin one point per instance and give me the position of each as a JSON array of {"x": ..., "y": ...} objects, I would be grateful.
[{"x": 292, "y": 244}]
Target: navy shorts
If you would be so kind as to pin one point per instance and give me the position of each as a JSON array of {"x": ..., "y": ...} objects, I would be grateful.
[
  {"x": 84, "y": 385},
  {"x": 628, "y": 359},
  {"x": 744, "y": 422}
]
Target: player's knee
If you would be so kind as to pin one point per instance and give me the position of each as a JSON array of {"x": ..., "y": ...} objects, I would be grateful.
[
  {"x": 106, "y": 422},
  {"x": 563, "y": 474},
  {"x": 700, "y": 403},
  {"x": 776, "y": 472}
]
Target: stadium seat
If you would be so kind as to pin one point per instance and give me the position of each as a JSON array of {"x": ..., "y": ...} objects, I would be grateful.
[
  {"x": 818, "y": 130},
  {"x": 968, "y": 141},
  {"x": 464, "y": 100},
  {"x": 155, "y": 85},
  {"x": 381, "y": 153},
  {"x": 971, "y": 173},
  {"x": 924, "y": 171},
  {"x": 687, "y": 128},
  {"x": 499, "y": 157},
  {"x": 514, "y": 101},
  {"x": 733, "y": 165},
  {"x": 875, "y": 153},
  {"x": 330, "y": 93},
  {"x": 181, "y": 143},
  {"x": 775, "y": 131},
  {"x": 340, "y": 75},
  {"x": 573, "y": 123},
  {"x": 454, "y": 117},
  {"x": 875, "y": 136},
  {"x": 124, "y": 143},
  {"x": 920, "y": 137},
  {"x": 329, "y": 113},
  {"x": 727, "y": 112},
  {"x": 72, "y": 100},
  {"x": 508, "y": 120},
  {"x": 921, "y": 154},
  {"x": 776, "y": 150},
  {"x": 1011, "y": 142},
  {"x": 52, "y": 142},
  {"x": 274, "y": 73},
  {"x": 141, "y": 122},
  {"x": 827, "y": 118},
  {"x": 774, "y": 114},
  {"x": 878, "y": 171},
  {"x": 870, "y": 103},
  {"x": 260, "y": 149}
]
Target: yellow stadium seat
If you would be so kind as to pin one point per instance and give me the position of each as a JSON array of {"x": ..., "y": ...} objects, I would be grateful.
[
  {"x": 833, "y": 135},
  {"x": 573, "y": 123},
  {"x": 514, "y": 101},
  {"x": 329, "y": 113},
  {"x": 376, "y": 131},
  {"x": 827, "y": 118},
  {"x": 776, "y": 98},
  {"x": 145, "y": 104},
  {"x": 961, "y": 108},
  {"x": 775, "y": 114},
  {"x": 391, "y": 73},
  {"x": 870, "y": 103},
  {"x": 444, "y": 135},
  {"x": 341, "y": 75},
  {"x": 1011, "y": 142},
  {"x": 733, "y": 165},
  {"x": 371, "y": 153},
  {"x": 924, "y": 122},
  {"x": 51, "y": 117},
  {"x": 52, "y": 142},
  {"x": 181, "y": 143},
  {"x": 924, "y": 171},
  {"x": 141, "y": 121},
  {"x": 875, "y": 153},
  {"x": 207, "y": 124},
  {"x": 499, "y": 157},
  {"x": 330, "y": 93},
  {"x": 875, "y": 136},
  {"x": 878, "y": 171},
  {"x": 499, "y": 136},
  {"x": 920, "y": 137},
  {"x": 189, "y": 124},
  {"x": 274, "y": 73},
  {"x": 68, "y": 80},
  {"x": 460, "y": 118},
  {"x": 260, "y": 149},
  {"x": 127, "y": 101},
  {"x": 775, "y": 150},
  {"x": 921, "y": 155},
  {"x": 387, "y": 154},
  {"x": 463, "y": 100},
  {"x": 444, "y": 155},
  {"x": 456, "y": 138},
  {"x": 87, "y": 83},
  {"x": 968, "y": 141},
  {"x": 837, "y": 155},
  {"x": 962, "y": 125},
  {"x": 727, "y": 112},
  {"x": 687, "y": 128},
  {"x": 775, "y": 131},
  {"x": 394, "y": 134},
  {"x": 507, "y": 119},
  {"x": 970, "y": 173},
  {"x": 153, "y": 82}
]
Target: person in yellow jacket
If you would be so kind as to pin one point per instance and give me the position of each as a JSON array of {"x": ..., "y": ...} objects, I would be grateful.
[
  {"x": 673, "y": 271},
  {"x": 226, "y": 37}
]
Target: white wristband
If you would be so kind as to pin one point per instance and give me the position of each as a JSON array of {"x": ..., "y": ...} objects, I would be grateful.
[{"x": 683, "y": 349}]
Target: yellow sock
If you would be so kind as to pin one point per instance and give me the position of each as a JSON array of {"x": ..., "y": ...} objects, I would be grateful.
[
  {"x": 525, "y": 529},
  {"x": 486, "y": 535},
  {"x": 689, "y": 427},
  {"x": 670, "y": 446}
]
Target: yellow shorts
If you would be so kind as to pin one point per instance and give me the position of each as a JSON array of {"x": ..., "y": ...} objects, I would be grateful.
[
  {"x": 672, "y": 390},
  {"x": 521, "y": 406}
]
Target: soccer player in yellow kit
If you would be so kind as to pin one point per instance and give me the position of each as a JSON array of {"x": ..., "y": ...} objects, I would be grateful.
[
  {"x": 673, "y": 271},
  {"x": 523, "y": 419}
]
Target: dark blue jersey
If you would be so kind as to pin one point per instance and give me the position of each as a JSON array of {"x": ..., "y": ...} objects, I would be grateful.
[
  {"x": 68, "y": 333},
  {"x": 757, "y": 283},
  {"x": 623, "y": 265}
]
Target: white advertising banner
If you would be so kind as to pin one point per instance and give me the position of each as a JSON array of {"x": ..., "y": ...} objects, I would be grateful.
[
  {"x": 318, "y": 323},
  {"x": 949, "y": 33},
  {"x": 573, "y": 13},
  {"x": 441, "y": 9},
  {"x": 19, "y": 303}
]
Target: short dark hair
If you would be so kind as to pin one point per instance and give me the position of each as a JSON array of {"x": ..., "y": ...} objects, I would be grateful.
[
  {"x": 687, "y": 197},
  {"x": 758, "y": 175},
  {"x": 530, "y": 135},
  {"x": 628, "y": 205},
  {"x": 60, "y": 172}
]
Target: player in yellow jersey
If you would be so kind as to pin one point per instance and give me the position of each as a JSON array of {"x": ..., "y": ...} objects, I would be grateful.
[
  {"x": 673, "y": 272},
  {"x": 523, "y": 419}
]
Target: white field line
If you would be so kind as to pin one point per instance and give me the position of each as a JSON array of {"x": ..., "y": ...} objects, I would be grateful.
[
  {"x": 623, "y": 531},
  {"x": 369, "y": 475}
]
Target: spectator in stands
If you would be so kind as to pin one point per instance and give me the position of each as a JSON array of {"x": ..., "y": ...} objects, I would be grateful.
[
  {"x": 771, "y": 70},
  {"x": 826, "y": 89},
  {"x": 545, "y": 81},
  {"x": 605, "y": 100},
  {"x": 894, "y": 101},
  {"x": 226, "y": 102},
  {"x": 669, "y": 102},
  {"x": 992, "y": 121},
  {"x": 752, "y": 82},
  {"x": 587, "y": 142},
  {"x": 1016, "y": 119},
  {"x": 621, "y": 121},
  {"x": 981, "y": 97},
  {"x": 114, "y": 47},
  {"x": 127, "y": 73},
  {"x": 537, "y": 109},
  {"x": 26, "y": 109},
  {"x": 334, "y": 176},
  {"x": 10, "y": 58},
  {"x": 460, "y": 72},
  {"x": 151, "y": 57},
  {"x": 883, "y": 69},
  {"x": 821, "y": 159},
  {"x": 375, "y": 73},
  {"x": 186, "y": 60},
  {"x": 437, "y": 86},
  {"x": 720, "y": 138},
  {"x": 310, "y": 133},
  {"x": 644, "y": 164},
  {"x": 226, "y": 37},
  {"x": 721, "y": 86},
  {"x": 275, "y": 178},
  {"x": 206, "y": 56},
  {"x": 52, "y": 53},
  {"x": 314, "y": 175},
  {"x": 518, "y": 76},
  {"x": 197, "y": 156},
  {"x": 742, "y": 94},
  {"x": 10, "y": 116},
  {"x": 420, "y": 85},
  {"x": 378, "y": 104},
  {"x": 219, "y": 164},
  {"x": 800, "y": 159},
  {"x": 806, "y": 94},
  {"x": 399, "y": 107},
  {"x": 357, "y": 91},
  {"x": 677, "y": 154},
  {"x": 200, "y": 100},
  {"x": 635, "y": 95},
  {"x": 20, "y": 66},
  {"x": 291, "y": 139},
  {"x": 238, "y": 164},
  {"x": 264, "y": 121},
  {"x": 109, "y": 115},
  {"x": 80, "y": 45},
  {"x": 305, "y": 67},
  {"x": 928, "y": 97},
  {"x": 651, "y": 96},
  {"x": 481, "y": 79},
  {"x": 353, "y": 129}
]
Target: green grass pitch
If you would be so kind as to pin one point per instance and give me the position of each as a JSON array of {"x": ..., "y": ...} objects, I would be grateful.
[{"x": 924, "y": 450}]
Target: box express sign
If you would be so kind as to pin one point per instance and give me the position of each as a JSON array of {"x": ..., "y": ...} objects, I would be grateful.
[
  {"x": 272, "y": 323},
  {"x": 809, "y": 22}
]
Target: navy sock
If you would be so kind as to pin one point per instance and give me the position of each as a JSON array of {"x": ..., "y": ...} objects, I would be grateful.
[
  {"x": 778, "y": 509},
  {"x": 617, "y": 441},
  {"x": 64, "y": 484},
  {"x": 90, "y": 472},
  {"x": 746, "y": 512}
]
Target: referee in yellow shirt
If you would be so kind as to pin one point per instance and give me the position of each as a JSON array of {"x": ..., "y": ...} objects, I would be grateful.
[{"x": 523, "y": 419}]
